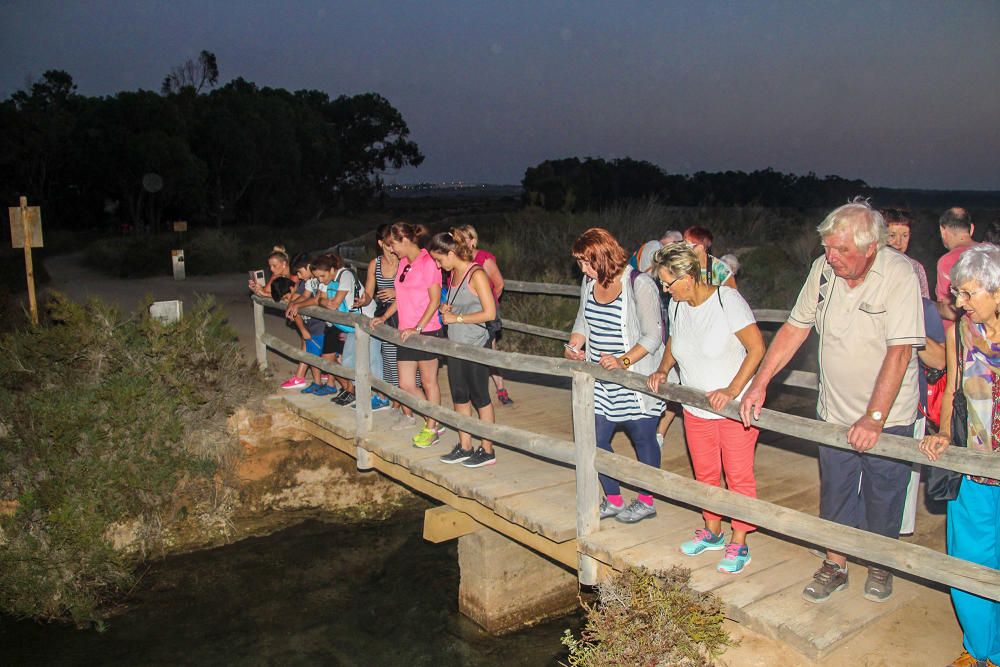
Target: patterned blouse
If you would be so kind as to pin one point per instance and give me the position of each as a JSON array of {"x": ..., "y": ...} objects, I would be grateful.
[{"x": 981, "y": 385}]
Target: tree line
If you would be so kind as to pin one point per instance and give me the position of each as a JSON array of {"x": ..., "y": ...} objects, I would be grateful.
[
  {"x": 236, "y": 153},
  {"x": 573, "y": 184}
]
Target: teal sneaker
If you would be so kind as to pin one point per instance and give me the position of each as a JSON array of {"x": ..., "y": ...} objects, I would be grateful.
[
  {"x": 312, "y": 388},
  {"x": 737, "y": 557},
  {"x": 704, "y": 540}
]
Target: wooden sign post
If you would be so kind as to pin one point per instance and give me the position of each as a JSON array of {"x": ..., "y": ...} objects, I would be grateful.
[{"x": 26, "y": 232}]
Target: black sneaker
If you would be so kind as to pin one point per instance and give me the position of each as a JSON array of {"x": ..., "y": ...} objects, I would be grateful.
[
  {"x": 827, "y": 580},
  {"x": 344, "y": 398},
  {"x": 480, "y": 458},
  {"x": 457, "y": 455}
]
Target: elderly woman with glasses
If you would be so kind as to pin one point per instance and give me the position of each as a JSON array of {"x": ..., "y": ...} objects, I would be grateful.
[
  {"x": 619, "y": 327},
  {"x": 973, "y": 358},
  {"x": 715, "y": 342}
]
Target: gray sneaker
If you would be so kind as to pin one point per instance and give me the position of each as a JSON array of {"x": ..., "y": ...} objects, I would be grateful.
[
  {"x": 404, "y": 422},
  {"x": 635, "y": 512},
  {"x": 608, "y": 510},
  {"x": 878, "y": 585},
  {"x": 457, "y": 455},
  {"x": 827, "y": 580}
]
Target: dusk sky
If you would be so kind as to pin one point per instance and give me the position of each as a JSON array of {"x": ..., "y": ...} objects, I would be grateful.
[{"x": 900, "y": 94}]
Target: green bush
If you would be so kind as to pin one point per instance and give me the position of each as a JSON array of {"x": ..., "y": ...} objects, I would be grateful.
[
  {"x": 646, "y": 619},
  {"x": 104, "y": 415}
]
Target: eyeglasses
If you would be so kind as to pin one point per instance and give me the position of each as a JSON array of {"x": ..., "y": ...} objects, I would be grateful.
[
  {"x": 406, "y": 269},
  {"x": 963, "y": 294},
  {"x": 666, "y": 286}
]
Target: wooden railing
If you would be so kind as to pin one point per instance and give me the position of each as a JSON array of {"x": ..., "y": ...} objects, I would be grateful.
[
  {"x": 788, "y": 377},
  {"x": 582, "y": 452}
]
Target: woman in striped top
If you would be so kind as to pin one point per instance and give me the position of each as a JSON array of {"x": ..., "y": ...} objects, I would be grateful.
[{"x": 619, "y": 327}]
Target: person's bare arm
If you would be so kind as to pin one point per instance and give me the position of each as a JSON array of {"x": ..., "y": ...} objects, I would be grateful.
[
  {"x": 946, "y": 310},
  {"x": 753, "y": 343},
  {"x": 480, "y": 285},
  {"x": 933, "y": 445},
  {"x": 369, "y": 293},
  {"x": 864, "y": 433},
  {"x": 496, "y": 278},
  {"x": 666, "y": 363},
  {"x": 932, "y": 354},
  {"x": 786, "y": 343}
]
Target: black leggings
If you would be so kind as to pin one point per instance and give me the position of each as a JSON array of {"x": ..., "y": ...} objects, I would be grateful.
[{"x": 469, "y": 382}]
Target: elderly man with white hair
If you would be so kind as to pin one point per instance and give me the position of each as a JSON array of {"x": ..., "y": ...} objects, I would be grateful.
[{"x": 864, "y": 301}]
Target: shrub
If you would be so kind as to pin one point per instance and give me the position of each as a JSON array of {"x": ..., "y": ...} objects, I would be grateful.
[
  {"x": 104, "y": 416},
  {"x": 649, "y": 619}
]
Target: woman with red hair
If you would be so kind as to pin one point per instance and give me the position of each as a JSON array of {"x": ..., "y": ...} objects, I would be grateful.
[
  {"x": 619, "y": 327},
  {"x": 713, "y": 270}
]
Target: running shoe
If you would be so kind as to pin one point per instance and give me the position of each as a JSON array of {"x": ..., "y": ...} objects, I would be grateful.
[
  {"x": 344, "y": 398},
  {"x": 457, "y": 455},
  {"x": 327, "y": 390},
  {"x": 704, "y": 540},
  {"x": 636, "y": 512},
  {"x": 294, "y": 382},
  {"x": 737, "y": 557},
  {"x": 609, "y": 509},
  {"x": 480, "y": 458},
  {"x": 404, "y": 422},
  {"x": 827, "y": 580},
  {"x": 312, "y": 388},
  {"x": 425, "y": 438}
]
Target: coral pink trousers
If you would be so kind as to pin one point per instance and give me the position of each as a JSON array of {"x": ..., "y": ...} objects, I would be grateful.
[{"x": 722, "y": 444}]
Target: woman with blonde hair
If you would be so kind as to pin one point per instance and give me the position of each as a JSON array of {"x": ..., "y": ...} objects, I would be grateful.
[
  {"x": 618, "y": 326},
  {"x": 715, "y": 342},
  {"x": 469, "y": 307},
  {"x": 467, "y": 235}
]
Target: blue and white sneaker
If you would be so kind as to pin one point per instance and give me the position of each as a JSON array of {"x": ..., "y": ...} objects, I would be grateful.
[
  {"x": 704, "y": 540},
  {"x": 312, "y": 388},
  {"x": 378, "y": 403},
  {"x": 737, "y": 557},
  {"x": 327, "y": 390}
]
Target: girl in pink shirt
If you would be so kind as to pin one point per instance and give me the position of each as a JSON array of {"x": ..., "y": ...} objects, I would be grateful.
[{"x": 418, "y": 296}]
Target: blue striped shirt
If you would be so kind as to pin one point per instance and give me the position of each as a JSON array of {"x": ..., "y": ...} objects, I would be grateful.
[{"x": 604, "y": 321}]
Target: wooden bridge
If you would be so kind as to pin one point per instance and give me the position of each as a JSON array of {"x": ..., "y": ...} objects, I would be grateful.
[{"x": 544, "y": 493}]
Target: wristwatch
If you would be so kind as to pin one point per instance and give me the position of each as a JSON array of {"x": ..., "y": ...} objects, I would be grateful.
[
  {"x": 418, "y": 329},
  {"x": 459, "y": 319},
  {"x": 626, "y": 362},
  {"x": 876, "y": 415}
]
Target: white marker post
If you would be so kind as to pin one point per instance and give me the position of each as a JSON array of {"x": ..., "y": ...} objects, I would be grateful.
[{"x": 177, "y": 256}]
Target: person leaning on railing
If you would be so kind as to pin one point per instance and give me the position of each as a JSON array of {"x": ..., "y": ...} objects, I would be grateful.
[
  {"x": 974, "y": 516},
  {"x": 618, "y": 326},
  {"x": 715, "y": 342},
  {"x": 864, "y": 301}
]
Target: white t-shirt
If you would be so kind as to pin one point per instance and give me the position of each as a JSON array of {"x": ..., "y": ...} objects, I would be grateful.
[
  {"x": 345, "y": 283},
  {"x": 312, "y": 285},
  {"x": 704, "y": 343}
]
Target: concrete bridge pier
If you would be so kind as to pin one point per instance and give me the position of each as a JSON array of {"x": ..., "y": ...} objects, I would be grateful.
[{"x": 505, "y": 586}]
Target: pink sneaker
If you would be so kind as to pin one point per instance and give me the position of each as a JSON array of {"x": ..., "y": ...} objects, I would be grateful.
[{"x": 294, "y": 382}]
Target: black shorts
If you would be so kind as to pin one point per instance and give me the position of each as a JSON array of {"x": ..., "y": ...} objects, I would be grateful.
[
  {"x": 333, "y": 341},
  {"x": 407, "y": 354},
  {"x": 469, "y": 382}
]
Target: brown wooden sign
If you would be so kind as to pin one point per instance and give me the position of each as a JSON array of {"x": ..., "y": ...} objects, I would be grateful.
[{"x": 17, "y": 226}]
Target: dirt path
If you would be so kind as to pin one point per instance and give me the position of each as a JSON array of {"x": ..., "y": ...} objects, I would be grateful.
[{"x": 924, "y": 633}]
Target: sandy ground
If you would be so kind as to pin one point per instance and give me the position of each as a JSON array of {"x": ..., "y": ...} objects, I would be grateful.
[{"x": 923, "y": 633}]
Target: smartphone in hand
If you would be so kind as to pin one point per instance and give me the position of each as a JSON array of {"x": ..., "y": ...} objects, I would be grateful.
[{"x": 257, "y": 276}]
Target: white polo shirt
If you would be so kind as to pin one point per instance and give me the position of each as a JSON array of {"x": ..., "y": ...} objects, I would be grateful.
[{"x": 856, "y": 326}]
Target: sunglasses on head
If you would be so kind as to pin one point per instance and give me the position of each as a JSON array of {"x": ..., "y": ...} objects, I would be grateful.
[{"x": 406, "y": 269}]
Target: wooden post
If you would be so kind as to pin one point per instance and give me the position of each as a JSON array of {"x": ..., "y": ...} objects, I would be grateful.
[
  {"x": 28, "y": 266},
  {"x": 588, "y": 489},
  {"x": 362, "y": 394},
  {"x": 258, "y": 333}
]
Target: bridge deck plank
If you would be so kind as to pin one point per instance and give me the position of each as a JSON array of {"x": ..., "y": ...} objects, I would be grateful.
[{"x": 541, "y": 496}]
